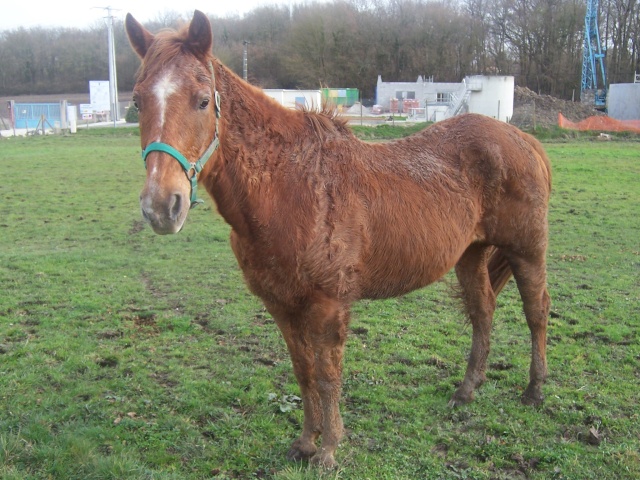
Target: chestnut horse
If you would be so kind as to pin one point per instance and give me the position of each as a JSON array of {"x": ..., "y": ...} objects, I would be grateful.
[{"x": 320, "y": 219}]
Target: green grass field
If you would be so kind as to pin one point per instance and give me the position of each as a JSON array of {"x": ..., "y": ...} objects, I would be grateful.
[{"x": 126, "y": 355}]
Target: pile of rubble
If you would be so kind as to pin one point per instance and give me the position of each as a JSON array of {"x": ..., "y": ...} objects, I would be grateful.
[
  {"x": 358, "y": 109},
  {"x": 531, "y": 110}
]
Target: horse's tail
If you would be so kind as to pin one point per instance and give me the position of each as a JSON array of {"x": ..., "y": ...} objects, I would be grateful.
[{"x": 499, "y": 270}]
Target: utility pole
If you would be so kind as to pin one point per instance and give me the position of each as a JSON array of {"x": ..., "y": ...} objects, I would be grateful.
[
  {"x": 245, "y": 43},
  {"x": 113, "y": 78}
]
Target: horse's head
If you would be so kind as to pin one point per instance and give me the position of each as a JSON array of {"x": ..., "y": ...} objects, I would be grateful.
[{"x": 178, "y": 107}]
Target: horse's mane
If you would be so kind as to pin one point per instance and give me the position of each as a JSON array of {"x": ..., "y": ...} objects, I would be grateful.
[{"x": 326, "y": 120}]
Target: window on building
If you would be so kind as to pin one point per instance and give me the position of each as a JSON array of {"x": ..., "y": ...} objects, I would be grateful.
[{"x": 405, "y": 95}]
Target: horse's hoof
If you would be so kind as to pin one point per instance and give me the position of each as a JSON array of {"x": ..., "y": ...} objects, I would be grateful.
[
  {"x": 533, "y": 401},
  {"x": 300, "y": 451},
  {"x": 324, "y": 460},
  {"x": 532, "y": 396},
  {"x": 460, "y": 398}
]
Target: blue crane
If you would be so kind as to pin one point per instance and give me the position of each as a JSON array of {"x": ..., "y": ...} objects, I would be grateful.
[{"x": 592, "y": 56}]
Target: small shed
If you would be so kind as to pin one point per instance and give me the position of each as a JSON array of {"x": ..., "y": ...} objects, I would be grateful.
[{"x": 346, "y": 97}]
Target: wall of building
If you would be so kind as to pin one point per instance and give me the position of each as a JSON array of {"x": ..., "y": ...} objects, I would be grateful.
[
  {"x": 491, "y": 96},
  {"x": 311, "y": 99},
  {"x": 487, "y": 95},
  {"x": 623, "y": 101},
  {"x": 435, "y": 113},
  {"x": 426, "y": 92}
]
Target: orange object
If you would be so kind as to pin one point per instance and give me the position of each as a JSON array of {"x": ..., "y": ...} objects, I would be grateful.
[{"x": 600, "y": 123}]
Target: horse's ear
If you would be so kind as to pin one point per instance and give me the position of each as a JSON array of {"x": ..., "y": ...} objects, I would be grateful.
[
  {"x": 139, "y": 37},
  {"x": 200, "y": 38}
]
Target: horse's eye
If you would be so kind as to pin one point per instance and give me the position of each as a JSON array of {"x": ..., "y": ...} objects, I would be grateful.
[
  {"x": 204, "y": 103},
  {"x": 135, "y": 104}
]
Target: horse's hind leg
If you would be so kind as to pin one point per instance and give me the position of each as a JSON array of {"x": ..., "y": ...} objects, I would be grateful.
[
  {"x": 480, "y": 303},
  {"x": 530, "y": 275}
]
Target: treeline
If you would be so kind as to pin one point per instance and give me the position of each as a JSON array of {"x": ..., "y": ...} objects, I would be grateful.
[{"x": 348, "y": 43}]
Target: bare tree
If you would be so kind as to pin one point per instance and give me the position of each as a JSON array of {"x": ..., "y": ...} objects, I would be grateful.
[{"x": 348, "y": 43}]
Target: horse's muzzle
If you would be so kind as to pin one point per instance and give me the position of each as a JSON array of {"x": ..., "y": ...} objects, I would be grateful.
[{"x": 166, "y": 216}]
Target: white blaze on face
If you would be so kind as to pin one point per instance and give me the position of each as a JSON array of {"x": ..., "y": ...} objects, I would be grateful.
[{"x": 166, "y": 86}]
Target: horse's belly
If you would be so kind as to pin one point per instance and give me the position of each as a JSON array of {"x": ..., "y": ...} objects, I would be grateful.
[{"x": 390, "y": 276}]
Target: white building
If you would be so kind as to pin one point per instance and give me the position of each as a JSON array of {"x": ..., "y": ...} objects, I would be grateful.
[
  {"x": 310, "y": 99},
  {"x": 623, "y": 101},
  {"x": 484, "y": 94}
]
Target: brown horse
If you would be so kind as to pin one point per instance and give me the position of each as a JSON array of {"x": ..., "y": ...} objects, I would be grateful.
[{"x": 320, "y": 219}]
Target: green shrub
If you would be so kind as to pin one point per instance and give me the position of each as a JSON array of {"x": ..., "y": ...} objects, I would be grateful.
[{"x": 132, "y": 115}]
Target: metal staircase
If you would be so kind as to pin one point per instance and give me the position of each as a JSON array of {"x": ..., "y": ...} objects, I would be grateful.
[{"x": 459, "y": 101}]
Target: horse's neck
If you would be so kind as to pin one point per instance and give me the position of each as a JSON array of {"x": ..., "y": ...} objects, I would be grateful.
[
  {"x": 252, "y": 118},
  {"x": 249, "y": 126}
]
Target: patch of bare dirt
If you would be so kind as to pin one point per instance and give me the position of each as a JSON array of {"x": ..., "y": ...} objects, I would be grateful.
[{"x": 136, "y": 227}]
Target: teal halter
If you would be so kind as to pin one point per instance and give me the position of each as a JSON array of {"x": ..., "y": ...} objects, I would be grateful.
[{"x": 191, "y": 169}]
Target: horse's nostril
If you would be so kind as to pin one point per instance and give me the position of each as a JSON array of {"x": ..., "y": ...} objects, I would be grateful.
[
  {"x": 176, "y": 207},
  {"x": 145, "y": 209},
  {"x": 145, "y": 215}
]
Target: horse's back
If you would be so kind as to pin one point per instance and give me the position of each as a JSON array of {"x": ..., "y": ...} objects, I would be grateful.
[
  {"x": 470, "y": 179},
  {"x": 515, "y": 174},
  {"x": 494, "y": 159}
]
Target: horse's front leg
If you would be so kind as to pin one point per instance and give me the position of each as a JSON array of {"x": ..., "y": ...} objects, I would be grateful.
[
  {"x": 302, "y": 358},
  {"x": 328, "y": 322},
  {"x": 316, "y": 339}
]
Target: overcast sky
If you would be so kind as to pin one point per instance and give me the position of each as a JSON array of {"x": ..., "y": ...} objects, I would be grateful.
[{"x": 81, "y": 14}]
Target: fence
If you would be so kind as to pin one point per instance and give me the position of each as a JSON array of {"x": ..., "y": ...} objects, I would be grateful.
[
  {"x": 22, "y": 117},
  {"x": 600, "y": 123},
  {"x": 31, "y": 115}
]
